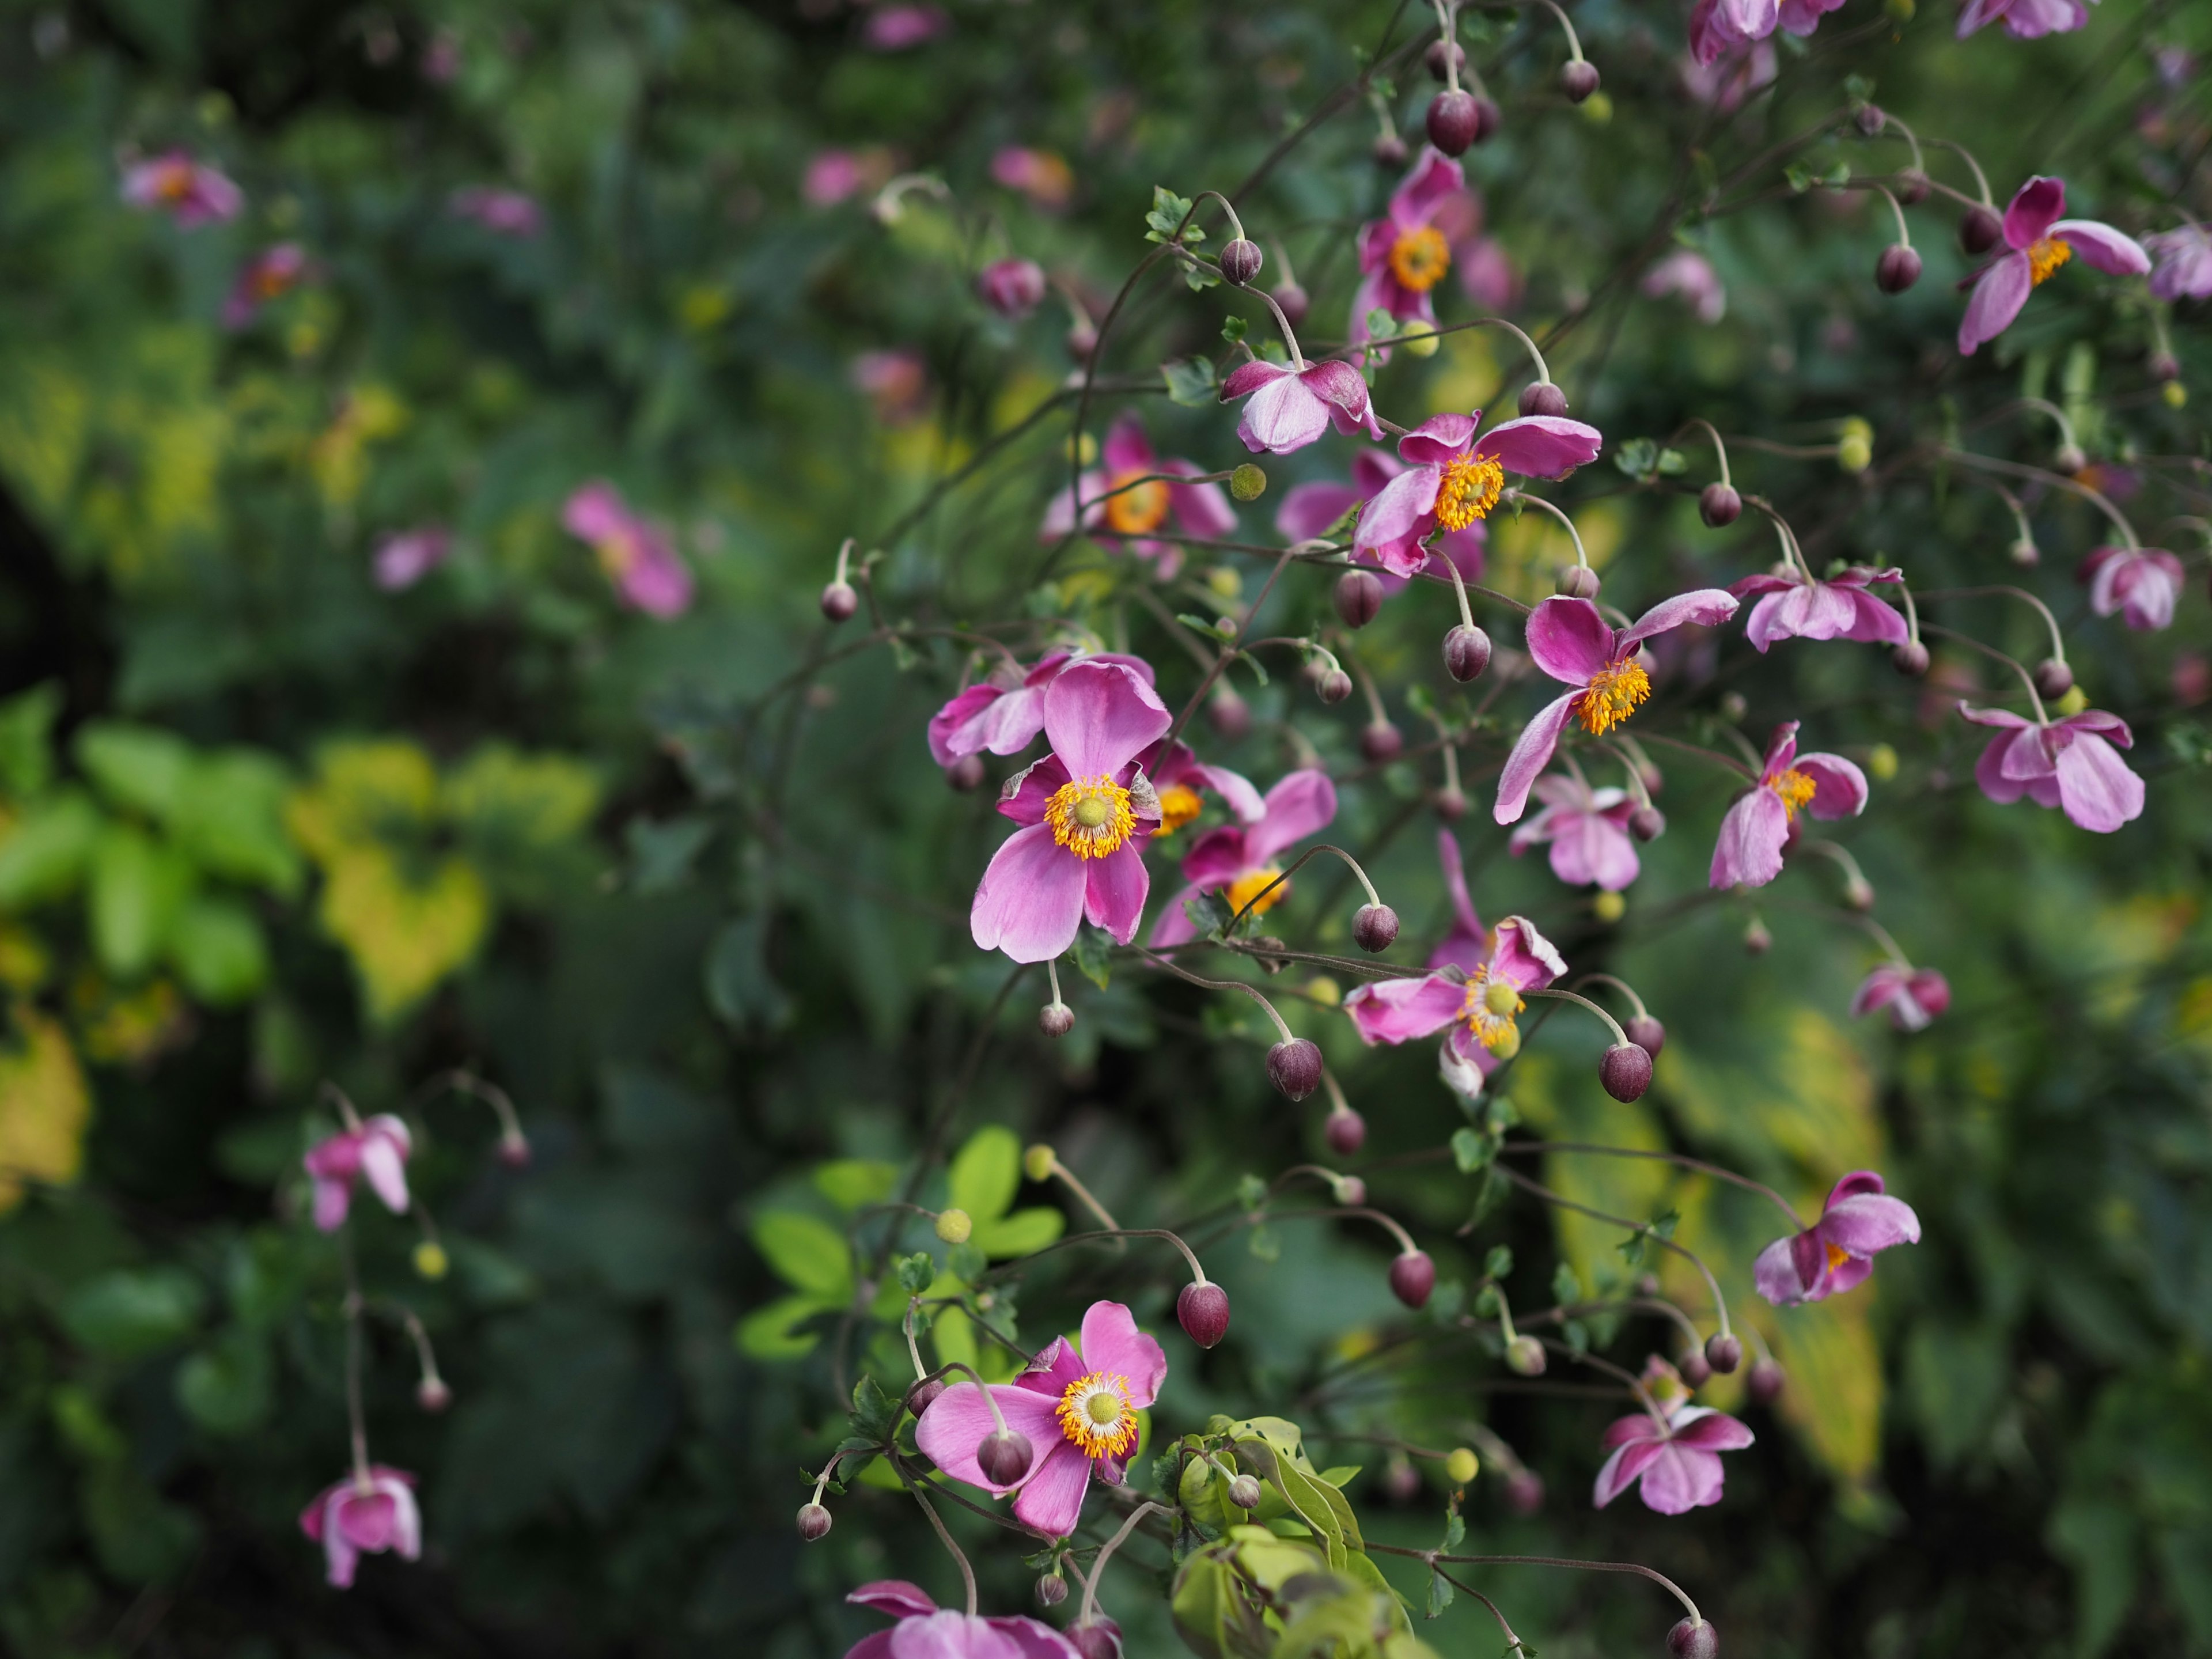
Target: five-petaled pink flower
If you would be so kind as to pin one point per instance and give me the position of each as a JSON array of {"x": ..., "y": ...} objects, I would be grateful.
[
  {"x": 1177, "y": 776},
  {"x": 926, "y": 1632},
  {"x": 1077, "y": 1408},
  {"x": 2143, "y": 584},
  {"x": 1239, "y": 861},
  {"x": 376, "y": 1150},
  {"x": 1572, "y": 642},
  {"x": 1837, "y": 1252},
  {"x": 503, "y": 212},
  {"x": 1085, "y": 811},
  {"x": 2069, "y": 763},
  {"x": 1478, "y": 1008},
  {"x": 1292, "y": 407},
  {"x": 1003, "y": 713},
  {"x": 2025, "y": 19},
  {"x": 404, "y": 558},
  {"x": 2037, "y": 242},
  {"x": 1674, "y": 1453},
  {"x": 269, "y": 274},
  {"x": 2185, "y": 263},
  {"x": 1794, "y": 605},
  {"x": 1588, "y": 829},
  {"x": 647, "y": 572},
  {"x": 1914, "y": 996},
  {"x": 1311, "y": 510},
  {"x": 1121, "y": 512},
  {"x": 1718, "y": 27},
  {"x": 1453, "y": 478},
  {"x": 1749, "y": 853},
  {"x": 191, "y": 193},
  {"x": 364, "y": 1514},
  {"x": 1406, "y": 252}
]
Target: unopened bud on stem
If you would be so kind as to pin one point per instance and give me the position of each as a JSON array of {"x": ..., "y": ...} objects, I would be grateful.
[
  {"x": 1004, "y": 1457},
  {"x": 1542, "y": 397},
  {"x": 1626, "y": 1071},
  {"x": 1358, "y": 596},
  {"x": 1295, "y": 1067},
  {"x": 1244, "y": 1492},
  {"x": 1202, "y": 1310},
  {"x": 1693, "y": 1638},
  {"x": 813, "y": 1522},
  {"x": 1466, "y": 652},
  {"x": 1719, "y": 505},
  {"x": 1412, "y": 1276},
  {"x": 1374, "y": 927},
  {"x": 1240, "y": 260},
  {"x": 1724, "y": 1353}
]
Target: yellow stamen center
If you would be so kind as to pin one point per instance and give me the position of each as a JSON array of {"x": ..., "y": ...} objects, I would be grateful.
[
  {"x": 1252, "y": 888},
  {"x": 1468, "y": 491},
  {"x": 1089, "y": 816},
  {"x": 174, "y": 181},
  {"x": 2044, "y": 256},
  {"x": 1096, "y": 1414},
  {"x": 1418, "y": 258},
  {"x": 1616, "y": 692},
  {"x": 1837, "y": 1256},
  {"x": 273, "y": 282},
  {"x": 1487, "y": 1010},
  {"x": 616, "y": 555},
  {"x": 1179, "y": 805},
  {"x": 1137, "y": 510},
  {"x": 1795, "y": 788}
]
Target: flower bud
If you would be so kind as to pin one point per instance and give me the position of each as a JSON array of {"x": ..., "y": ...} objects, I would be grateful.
[
  {"x": 1913, "y": 186},
  {"x": 1461, "y": 1465},
  {"x": 1379, "y": 741},
  {"x": 920, "y": 1397},
  {"x": 1979, "y": 229},
  {"x": 1450, "y": 804},
  {"x": 1402, "y": 1482},
  {"x": 1854, "y": 449},
  {"x": 1202, "y": 1310},
  {"x": 1454, "y": 122},
  {"x": 1871, "y": 120},
  {"x": 2053, "y": 678},
  {"x": 1733, "y": 706},
  {"x": 1240, "y": 260},
  {"x": 1295, "y": 1067},
  {"x": 1037, "y": 1162},
  {"x": 813, "y": 1522},
  {"x": 1358, "y": 596},
  {"x": 1487, "y": 117},
  {"x": 1466, "y": 652},
  {"x": 1719, "y": 505},
  {"x": 1524, "y": 1492},
  {"x": 1858, "y": 893},
  {"x": 1412, "y": 1276},
  {"x": 1004, "y": 1457},
  {"x": 1012, "y": 287},
  {"x": 1576, "y": 582},
  {"x": 1374, "y": 928},
  {"x": 1694, "y": 1370},
  {"x": 1096, "y": 1637},
  {"x": 1244, "y": 1492},
  {"x": 1348, "y": 1190},
  {"x": 965, "y": 774},
  {"x": 1724, "y": 1353},
  {"x": 514, "y": 1150},
  {"x": 2163, "y": 366},
  {"x": 1525, "y": 1356},
  {"x": 1765, "y": 1383},
  {"x": 1055, "y": 1019},
  {"x": 1897, "y": 270},
  {"x": 1647, "y": 824},
  {"x": 2025, "y": 553},
  {"x": 2069, "y": 458},
  {"x": 1228, "y": 713},
  {"x": 431, "y": 1261},
  {"x": 1335, "y": 686},
  {"x": 1626, "y": 1071},
  {"x": 1909, "y": 660},
  {"x": 839, "y": 601},
  {"x": 1647, "y": 1034},
  {"x": 1542, "y": 397},
  {"x": 1578, "y": 78},
  {"x": 1757, "y": 941},
  {"x": 1051, "y": 1589},
  {"x": 432, "y": 1395},
  {"x": 1388, "y": 150},
  {"x": 1347, "y": 1132},
  {"x": 1248, "y": 482},
  {"x": 1293, "y": 301},
  {"x": 1434, "y": 58},
  {"x": 955, "y": 1226},
  {"x": 1081, "y": 340},
  {"x": 1693, "y": 1638}
]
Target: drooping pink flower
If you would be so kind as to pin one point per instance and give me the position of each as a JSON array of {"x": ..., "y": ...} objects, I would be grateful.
[
  {"x": 1310, "y": 510},
  {"x": 924, "y": 1631},
  {"x": 1676, "y": 1457},
  {"x": 1794, "y": 605},
  {"x": 1293, "y": 406},
  {"x": 1837, "y": 1252},
  {"x": 647, "y": 572},
  {"x": 1003, "y": 713},
  {"x": 1239, "y": 861},
  {"x": 831, "y": 176},
  {"x": 1085, "y": 811},
  {"x": 1012, "y": 287},
  {"x": 1407, "y": 253},
  {"x": 1039, "y": 174},
  {"x": 1587, "y": 829},
  {"x": 902, "y": 28},
  {"x": 364, "y": 1514},
  {"x": 503, "y": 212},
  {"x": 269, "y": 274},
  {"x": 2025, "y": 19},
  {"x": 1466, "y": 945},
  {"x": 1689, "y": 274},
  {"x": 376, "y": 1151},
  {"x": 1487, "y": 274},
  {"x": 1749, "y": 853},
  {"x": 1478, "y": 1008},
  {"x": 1453, "y": 478},
  {"x": 1179, "y": 777},
  {"x": 2037, "y": 242},
  {"x": 1720, "y": 26},
  {"x": 2069, "y": 763},
  {"x": 1732, "y": 77},
  {"x": 406, "y": 556},
  {"x": 1077, "y": 1406},
  {"x": 442, "y": 57},
  {"x": 895, "y": 381},
  {"x": 1122, "y": 513},
  {"x": 2185, "y": 263},
  {"x": 1914, "y": 996},
  {"x": 2142, "y": 583},
  {"x": 192, "y": 193},
  {"x": 1572, "y": 642}
]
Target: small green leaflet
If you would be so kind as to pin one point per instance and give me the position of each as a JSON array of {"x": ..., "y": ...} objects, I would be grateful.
[
  {"x": 1208, "y": 912},
  {"x": 1566, "y": 1287},
  {"x": 1190, "y": 381},
  {"x": 916, "y": 1272},
  {"x": 1498, "y": 1264},
  {"x": 1170, "y": 211},
  {"x": 1644, "y": 459},
  {"x": 875, "y": 1413},
  {"x": 1234, "y": 330},
  {"x": 1090, "y": 953},
  {"x": 1472, "y": 1152}
]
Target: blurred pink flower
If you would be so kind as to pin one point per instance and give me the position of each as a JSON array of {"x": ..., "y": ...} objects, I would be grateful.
[
  {"x": 1689, "y": 274},
  {"x": 926, "y": 1632},
  {"x": 376, "y": 1149},
  {"x": 1587, "y": 828},
  {"x": 1914, "y": 996},
  {"x": 441, "y": 58},
  {"x": 1310, "y": 510},
  {"x": 1039, "y": 174},
  {"x": 1178, "y": 776},
  {"x": 1012, "y": 287},
  {"x": 2185, "y": 263},
  {"x": 1129, "y": 516},
  {"x": 1002, "y": 713},
  {"x": 2142, "y": 583},
  {"x": 366, "y": 1513},
  {"x": 1837, "y": 1252},
  {"x": 2070, "y": 764},
  {"x": 896, "y": 381},
  {"x": 191, "y": 193},
  {"x": 1720, "y": 26},
  {"x": 2025, "y": 19},
  {"x": 269, "y": 274},
  {"x": 1453, "y": 478},
  {"x": 1487, "y": 275},
  {"x": 1407, "y": 253},
  {"x": 2038, "y": 241},
  {"x": 901, "y": 28},
  {"x": 1675, "y": 1454},
  {"x": 1795, "y": 606},
  {"x": 404, "y": 558},
  {"x": 1756, "y": 827},
  {"x": 1239, "y": 861},
  {"x": 647, "y": 572},
  {"x": 504, "y": 212},
  {"x": 1732, "y": 77},
  {"x": 831, "y": 176}
]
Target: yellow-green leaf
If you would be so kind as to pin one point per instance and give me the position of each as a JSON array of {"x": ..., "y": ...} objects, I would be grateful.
[
  {"x": 985, "y": 1174},
  {"x": 766, "y": 1333},
  {"x": 1019, "y": 1233},
  {"x": 45, "y": 1105},
  {"x": 808, "y": 1254}
]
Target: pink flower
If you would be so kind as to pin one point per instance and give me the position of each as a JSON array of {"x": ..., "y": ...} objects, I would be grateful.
[
  {"x": 1012, "y": 287},
  {"x": 377, "y": 1150},
  {"x": 269, "y": 274},
  {"x": 2069, "y": 763},
  {"x": 1794, "y": 605},
  {"x": 1478, "y": 1008},
  {"x": 901, "y": 28},
  {"x": 1085, "y": 811},
  {"x": 1688, "y": 273},
  {"x": 1311, "y": 510},
  {"x": 1120, "y": 512},
  {"x": 1455, "y": 478},
  {"x": 2025, "y": 19},
  {"x": 1077, "y": 1408},
  {"x": 1487, "y": 275},
  {"x": 831, "y": 176},
  {"x": 925, "y": 1633},
  {"x": 2142, "y": 583},
  {"x": 2185, "y": 263},
  {"x": 404, "y": 559},
  {"x": 1719, "y": 26},
  {"x": 366, "y": 1513},
  {"x": 1757, "y": 827},
  {"x": 1734, "y": 76},
  {"x": 1676, "y": 1457},
  {"x": 1177, "y": 777},
  {"x": 1466, "y": 947},
  {"x": 1588, "y": 829},
  {"x": 2038, "y": 241},
  {"x": 647, "y": 572},
  {"x": 1239, "y": 862},
  {"x": 1573, "y": 643},
  {"x": 1837, "y": 1252},
  {"x": 896, "y": 381},
  {"x": 1039, "y": 174},
  {"x": 1406, "y": 252},
  {"x": 191, "y": 193},
  {"x": 1003, "y": 713},
  {"x": 1292, "y": 407},
  {"x": 504, "y": 212},
  {"x": 1914, "y": 996},
  {"x": 442, "y": 57}
]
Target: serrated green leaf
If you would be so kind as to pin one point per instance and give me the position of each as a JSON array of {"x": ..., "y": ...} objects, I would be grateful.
[
  {"x": 875, "y": 1413},
  {"x": 1209, "y": 912},
  {"x": 916, "y": 1272},
  {"x": 1233, "y": 329}
]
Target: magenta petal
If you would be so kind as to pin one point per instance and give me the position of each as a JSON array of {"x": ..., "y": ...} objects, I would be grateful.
[
  {"x": 1590, "y": 848},
  {"x": 1878, "y": 989},
  {"x": 1202, "y": 509},
  {"x": 1874, "y": 622},
  {"x": 1235, "y": 791},
  {"x": 957, "y": 1420},
  {"x": 2035, "y": 208},
  {"x": 1699, "y": 1425},
  {"x": 1993, "y": 716},
  {"x": 1401, "y": 1009},
  {"x": 2111, "y": 727},
  {"x": 1524, "y": 958},
  {"x": 1432, "y": 178},
  {"x": 332, "y": 1200},
  {"x": 1748, "y": 852},
  {"x": 1681, "y": 1479},
  {"x": 895, "y": 1597},
  {"x": 1217, "y": 857},
  {"x": 383, "y": 1165},
  {"x": 1127, "y": 449},
  {"x": 1113, "y": 1344},
  {"x": 951, "y": 728},
  {"x": 1870, "y": 1222},
  {"x": 2112, "y": 251},
  {"x": 1300, "y": 804},
  {"x": 1990, "y": 772},
  {"x": 1996, "y": 300},
  {"x": 1308, "y": 509},
  {"x": 1839, "y": 788},
  {"x": 1569, "y": 639},
  {"x": 1098, "y": 716},
  {"x": 1775, "y": 1275},
  {"x": 1026, "y": 794},
  {"x": 1282, "y": 415},
  {"x": 1399, "y": 509},
  {"x": 1847, "y": 1275},
  {"x": 1532, "y": 752},
  {"x": 1706, "y": 607},
  {"x": 1769, "y": 617},
  {"x": 1781, "y": 750},
  {"x": 1455, "y": 869},
  {"x": 1175, "y": 925},
  {"x": 1030, "y": 900},
  {"x": 1626, "y": 1430},
  {"x": 1620, "y": 1470},
  {"x": 1438, "y": 439},
  {"x": 1541, "y": 446},
  {"x": 1114, "y": 890},
  {"x": 1052, "y": 1501},
  {"x": 2095, "y": 787}
]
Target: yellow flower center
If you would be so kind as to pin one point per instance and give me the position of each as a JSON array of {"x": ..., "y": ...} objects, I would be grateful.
[
  {"x": 1468, "y": 491},
  {"x": 1179, "y": 805},
  {"x": 273, "y": 282},
  {"x": 1795, "y": 788},
  {"x": 1418, "y": 258},
  {"x": 174, "y": 181},
  {"x": 1139, "y": 509},
  {"x": 2044, "y": 256},
  {"x": 616, "y": 555},
  {"x": 1252, "y": 888},
  {"x": 1089, "y": 816},
  {"x": 1616, "y": 692},
  {"x": 1837, "y": 1256},
  {"x": 1095, "y": 1413},
  {"x": 1487, "y": 1010}
]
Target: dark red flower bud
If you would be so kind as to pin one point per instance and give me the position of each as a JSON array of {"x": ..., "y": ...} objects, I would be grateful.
[
  {"x": 1719, "y": 505},
  {"x": 1647, "y": 1034},
  {"x": 2053, "y": 678},
  {"x": 1724, "y": 1353},
  {"x": 1524, "y": 1492},
  {"x": 1578, "y": 78},
  {"x": 1295, "y": 1067},
  {"x": 813, "y": 1522},
  {"x": 1909, "y": 660},
  {"x": 923, "y": 1396},
  {"x": 1412, "y": 1276},
  {"x": 1004, "y": 1457},
  {"x": 1358, "y": 596},
  {"x": 1913, "y": 186},
  {"x": 839, "y": 601},
  {"x": 1346, "y": 1131},
  {"x": 1379, "y": 741},
  {"x": 1293, "y": 301},
  {"x": 1434, "y": 58},
  {"x": 1244, "y": 1492},
  {"x": 1454, "y": 122},
  {"x": 1525, "y": 1356},
  {"x": 1096, "y": 1637},
  {"x": 432, "y": 1395},
  {"x": 1012, "y": 287},
  {"x": 1388, "y": 150},
  {"x": 1051, "y": 1589},
  {"x": 2163, "y": 366},
  {"x": 514, "y": 1150},
  {"x": 1240, "y": 260},
  {"x": 1488, "y": 119},
  {"x": 1626, "y": 1071},
  {"x": 1766, "y": 1382},
  {"x": 1647, "y": 824},
  {"x": 1374, "y": 928},
  {"x": 1055, "y": 1019},
  {"x": 1466, "y": 652},
  {"x": 1451, "y": 805},
  {"x": 965, "y": 774},
  {"x": 1335, "y": 686},
  {"x": 1979, "y": 229},
  {"x": 1351, "y": 1190},
  {"x": 1576, "y": 582},
  {"x": 1693, "y": 1638},
  {"x": 1228, "y": 713},
  {"x": 1871, "y": 120},
  {"x": 1202, "y": 1310},
  {"x": 1543, "y": 397},
  {"x": 1695, "y": 1372},
  {"x": 1897, "y": 270}
]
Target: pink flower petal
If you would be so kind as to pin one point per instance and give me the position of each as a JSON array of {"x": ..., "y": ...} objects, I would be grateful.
[
  {"x": 1996, "y": 300},
  {"x": 1308, "y": 509},
  {"x": 1301, "y": 803},
  {"x": 1839, "y": 788},
  {"x": 2095, "y": 787},
  {"x": 2112, "y": 251},
  {"x": 1114, "y": 890},
  {"x": 1282, "y": 415},
  {"x": 1541, "y": 446},
  {"x": 1030, "y": 901},
  {"x": 1098, "y": 716},
  {"x": 1524, "y": 958},
  {"x": 1705, "y": 607},
  {"x": 1127, "y": 449},
  {"x": 895, "y": 1597},
  {"x": 1868, "y": 1223},
  {"x": 1400, "y": 510},
  {"x": 1774, "y": 1273},
  {"x": 1455, "y": 869},
  {"x": 1399, "y": 1010},
  {"x": 1433, "y": 179},
  {"x": 957, "y": 1420},
  {"x": 1051, "y": 1503},
  {"x": 1620, "y": 1471},
  {"x": 1532, "y": 752},
  {"x": 1569, "y": 639},
  {"x": 2035, "y": 208},
  {"x": 1113, "y": 1344},
  {"x": 1748, "y": 852},
  {"x": 1438, "y": 439}
]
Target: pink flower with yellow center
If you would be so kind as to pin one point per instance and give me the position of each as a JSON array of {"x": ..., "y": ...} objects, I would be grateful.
[
  {"x": 1180, "y": 779},
  {"x": 2038, "y": 242},
  {"x": 191, "y": 193},
  {"x": 1757, "y": 828},
  {"x": 1003, "y": 713},
  {"x": 269, "y": 274},
  {"x": 1407, "y": 252},
  {"x": 1311, "y": 510},
  {"x": 1125, "y": 502},
  {"x": 1453, "y": 479},
  {"x": 1240, "y": 862},
  {"x": 1837, "y": 1252},
  {"x": 1475, "y": 1000},
  {"x": 638, "y": 559},
  {"x": 1587, "y": 829}
]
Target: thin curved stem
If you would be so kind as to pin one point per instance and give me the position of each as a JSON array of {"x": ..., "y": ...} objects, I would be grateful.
[
  {"x": 2057, "y": 639},
  {"x": 2019, "y": 469},
  {"x": 2027, "y": 679},
  {"x": 1581, "y": 559},
  {"x": 1618, "y": 1036},
  {"x": 1720, "y": 449},
  {"x": 1661, "y": 1578},
  {"x": 1574, "y": 56},
  {"x": 1305, "y": 858},
  {"x": 967, "y": 1572},
  {"x": 1253, "y": 992},
  {"x": 1106, "y": 1554}
]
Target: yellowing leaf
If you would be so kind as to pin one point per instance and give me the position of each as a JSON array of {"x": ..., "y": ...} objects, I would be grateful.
[
  {"x": 44, "y": 1105},
  {"x": 363, "y": 792},
  {"x": 502, "y": 794},
  {"x": 404, "y": 929},
  {"x": 1806, "y": 1091},
  {"x": 1834, "y": 1398}
]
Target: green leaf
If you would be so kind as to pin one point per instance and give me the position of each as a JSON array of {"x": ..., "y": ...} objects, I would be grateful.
[
  {"x": 43, "y": 855},
  {"x": 1472, "y": 1152},
  {"x": 139, "y": 767},
  {"x": 808, "y": 1254},
  {"x": 1486, "y": 1303},
  {"x": 1021, "y": 1233},
  {"x": 1191, "y": 382},
  {"x": 1498, "y": 1264},
  {"x": 767, "y": 1332},
  {"x": 1264, "y": 1245},
  {"x": 1167, "y": 215},
  {"x": 740, "y": 987},
  {"x": 27, "y": 725},
  {"x": 1251, "y": 1193},
  {"x": 1441, "y": 1595},
  {"x": 1091, "y": 944},
  {"x": 875, "y": 1413},
  {"x": 1454, "y": 1525},
  {"x": 1209, "y": 912},
  {"x": 1235, "y": 329},
  {"x": 229, "y": 820},
  {"x": 130, "y": 1312},
  {"x": 916, "y": 1272},
  {"x": 1566, "y": 1285},
  {"x": 1381, "y": 324},
  {"x": 227, "y": 1388},
  {"x": 986, "y": 1173},
  {"x": 851, "y": 1183},
  {"x": 137, "y": 887},
  {"x": 220, "y": 953}
]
